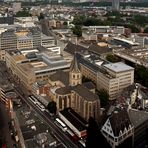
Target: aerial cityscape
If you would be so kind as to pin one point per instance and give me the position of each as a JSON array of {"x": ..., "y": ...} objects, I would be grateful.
[{"x": 73, "y": 73}]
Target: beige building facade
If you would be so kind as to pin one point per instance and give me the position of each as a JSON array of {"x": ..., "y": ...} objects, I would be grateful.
[{"x": 115, "y": 78}]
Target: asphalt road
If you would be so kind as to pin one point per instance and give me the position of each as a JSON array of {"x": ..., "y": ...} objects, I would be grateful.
[{"x": 58, "y": 132}]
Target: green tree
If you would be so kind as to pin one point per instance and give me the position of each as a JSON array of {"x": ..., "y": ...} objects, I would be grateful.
[
  {"x": 146, "y": 30},
  {"x": 104, "y": 97},
  {"x": 23, "y": 13},
  {"x": 41, "y": 16},
  {"x": 65, "y": 23},
  {"x": 141, "y": 20},
  {"x": 113, "y": 13},
  {"x": 52, "y": 107},
  {"x": 85, "y": 79},
  {"x": 133, "y": 28},
  {"x": 78, "y": 20},
  {"x": 77, "y": 30},
  {"x": 92, "y": 22},
  {"x": 112, "y": 58},
  {"x": 141, "y": 75}
]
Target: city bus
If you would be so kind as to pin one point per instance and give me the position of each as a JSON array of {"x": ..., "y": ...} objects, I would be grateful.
[
  {"x": 37, "y": 103},
  {"x": 60, "y": 124},
  {"x": 40, "y": 106},
  {"x": 33, "y": 99}
]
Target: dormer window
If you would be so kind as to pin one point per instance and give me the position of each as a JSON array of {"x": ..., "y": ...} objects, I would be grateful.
[{"x": 120, "y": 133}]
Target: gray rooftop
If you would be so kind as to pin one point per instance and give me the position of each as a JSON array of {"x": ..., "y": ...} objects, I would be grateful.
[
  {"x": 86, "y": 93},
  {"x": 138, "y": 117},
  {"x": 118, "y": 67}
]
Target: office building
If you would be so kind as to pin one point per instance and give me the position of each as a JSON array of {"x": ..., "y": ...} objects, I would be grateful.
[
  {"x": 31, "y": 65},
  {"x": 8, "y": 40},
  {"x": 36, "y": 36},
  {"x": 114, "y": 78},
  {"x": 47, "y": 41},
  {"x": 115, "y": 5},
  {"x": 24, "y": 42}
]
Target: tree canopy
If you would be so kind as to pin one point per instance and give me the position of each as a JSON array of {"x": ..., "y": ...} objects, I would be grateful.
[
  {"x": 77, "y": 30},
  {"x": 41, "y": 16},
  {"x": 112, "y": 58},
  {"x": 52, "y": 107},
  {"x": 141, "y": 75},
  {"x": 23, "y": 13},
  {"x": 146, "y": 30},
  {"x": 141, "y": 20},
  {"x": 104, "y": 97},
  {"x": 134, "y": 28}
]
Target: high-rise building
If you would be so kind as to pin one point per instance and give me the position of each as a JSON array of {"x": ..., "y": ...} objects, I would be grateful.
[{"x": 115, "y": 5}]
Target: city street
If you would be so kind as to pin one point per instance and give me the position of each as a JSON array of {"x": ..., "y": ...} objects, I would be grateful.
[
  {"x": 23, "y": 93},
  {"x": 60, "y": 134}
]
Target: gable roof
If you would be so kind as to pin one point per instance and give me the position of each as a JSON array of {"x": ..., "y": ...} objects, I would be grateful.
[
  {"x": 74, "y": 67},
  {"x": 86, "y": 93},
  {"x": 72, "y": 48},
  {"x": 75, "y": 119},
  {"x": 98, "y": 49},
  {"x": 89, "y": 85},
  {"x": 60, "y": 76},
  {"x": 63, "y": 91},
  {"x": 119, "y": 120}
]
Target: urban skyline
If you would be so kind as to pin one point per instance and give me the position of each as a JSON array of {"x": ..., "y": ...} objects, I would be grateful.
[{"x": 73, "y": 77}]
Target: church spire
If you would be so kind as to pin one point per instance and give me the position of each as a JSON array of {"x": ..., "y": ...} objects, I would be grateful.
[
  {"x": 75, "y": 76},
  {"x": 74, "y": 67}
]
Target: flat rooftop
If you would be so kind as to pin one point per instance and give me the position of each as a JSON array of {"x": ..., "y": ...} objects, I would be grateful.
[
  {"x": 138, "y": 117},
  {"x": 118, "y": 67},
  {"x": 75, "y": 119},
  {"x": 26, "y": 67},
  {"x": 34, "y": 130}
]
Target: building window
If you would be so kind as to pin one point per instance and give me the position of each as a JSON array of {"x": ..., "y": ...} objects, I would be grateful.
[
  {"x": 60, "y": 102},
  {"x": 74, "y": 76}
]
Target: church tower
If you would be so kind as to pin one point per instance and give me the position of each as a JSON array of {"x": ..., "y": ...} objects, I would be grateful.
[{"x": 75, "y": 76}]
